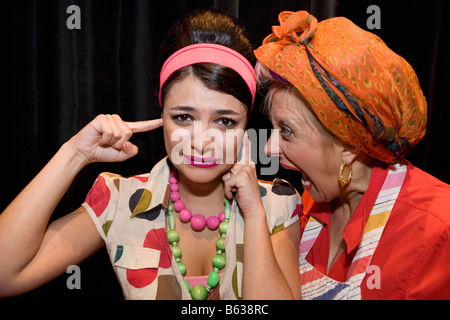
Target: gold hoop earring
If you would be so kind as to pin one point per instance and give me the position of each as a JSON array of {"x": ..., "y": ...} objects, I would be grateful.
[{"x": 341, "y": 172}]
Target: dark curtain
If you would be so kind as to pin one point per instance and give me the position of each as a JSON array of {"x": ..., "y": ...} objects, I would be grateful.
[
  {"x": 57, "y": 80},
  {"x": 420, "y": 33}
]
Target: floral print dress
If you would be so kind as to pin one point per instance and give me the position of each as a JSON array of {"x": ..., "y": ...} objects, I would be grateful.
[{"x": 130, "y": 215}]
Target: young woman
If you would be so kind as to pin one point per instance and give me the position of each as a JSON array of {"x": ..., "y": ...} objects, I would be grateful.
[{"x": 177, "y": 232}]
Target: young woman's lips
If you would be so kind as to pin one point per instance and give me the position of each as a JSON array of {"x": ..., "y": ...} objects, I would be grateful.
[{"x": 201, "y": 162}]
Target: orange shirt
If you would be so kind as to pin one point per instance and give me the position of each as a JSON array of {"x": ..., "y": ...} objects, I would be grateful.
[{"x": 412, "y": 260}]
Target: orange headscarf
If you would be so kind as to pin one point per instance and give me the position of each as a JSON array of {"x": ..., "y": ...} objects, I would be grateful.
[{"x": 360, "y": 90}]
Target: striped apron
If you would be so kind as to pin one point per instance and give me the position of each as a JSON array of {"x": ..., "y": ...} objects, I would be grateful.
[{"x": 317, "y": 286}]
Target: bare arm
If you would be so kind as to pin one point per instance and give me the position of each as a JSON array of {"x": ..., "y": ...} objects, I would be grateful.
[
  {"x": 24, "y": 222},
  {"x": 67, "y": 241},
  {"x": 270, "y": 262},
  {"x": 37, "y": 252},
  {"x": 285, "y": 246}
]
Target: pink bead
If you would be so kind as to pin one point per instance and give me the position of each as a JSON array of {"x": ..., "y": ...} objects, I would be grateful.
[
  {"x": 222, "y": 216},
  {"x": 173, "y": 180},
  {"x": 185, "y": 215},
  {"x": 213, "y": 222},
  {"x": 174, "y": 196},
  {"x": 174, "y": 187},
  {"x": 198, "y": 222},
  {"x": 178, "y": 205}
]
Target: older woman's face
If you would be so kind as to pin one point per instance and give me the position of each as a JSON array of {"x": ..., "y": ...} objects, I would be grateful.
[{"x": 302, "y": 148}]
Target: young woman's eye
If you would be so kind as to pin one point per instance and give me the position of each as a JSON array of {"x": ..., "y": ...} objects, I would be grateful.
[
  {"x": 227, "y": 122},
  {"x": 182, "y": 118}
]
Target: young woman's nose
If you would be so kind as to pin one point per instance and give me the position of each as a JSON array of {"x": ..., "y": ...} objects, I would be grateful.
[{"x": 203, "y": 138}]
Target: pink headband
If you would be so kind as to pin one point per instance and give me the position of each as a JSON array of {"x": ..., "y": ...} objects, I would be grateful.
[{"x": 210, "y": 53}]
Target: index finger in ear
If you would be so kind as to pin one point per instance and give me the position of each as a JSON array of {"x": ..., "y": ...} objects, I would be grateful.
[
  {"x": 144, "y": 126},
  {"x": 246, "y": 157}
]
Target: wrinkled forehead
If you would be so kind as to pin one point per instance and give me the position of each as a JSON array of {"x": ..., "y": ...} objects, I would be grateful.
[{"x": 287, "y": 105}]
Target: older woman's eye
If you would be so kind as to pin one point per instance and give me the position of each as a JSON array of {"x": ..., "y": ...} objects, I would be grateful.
[{"x": 286, "y": 132}]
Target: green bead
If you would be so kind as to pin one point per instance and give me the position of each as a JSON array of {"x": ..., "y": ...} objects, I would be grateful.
[
  {"x": 220, "y": 244},
  {"x": 176, "y": 250},
  {"x": 219, "y": 261},
  {"x": 171, "y": 221},
  {"x": 182, "y": 268},
  {"x": 199, "y": 292},
  {"x": 173, "y": 236},
  {"x": 223, "y": 227},
  {"x": 227, "y": 212},
  {"x": 213, "y": 279},
  {"x": 187, "y": 286}
]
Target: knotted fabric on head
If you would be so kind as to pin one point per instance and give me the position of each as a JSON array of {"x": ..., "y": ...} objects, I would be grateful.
[{"x": 359, "y": 89}]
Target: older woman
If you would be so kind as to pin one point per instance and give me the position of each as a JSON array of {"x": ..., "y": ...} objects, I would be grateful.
[{"x": 349, "y": 110}]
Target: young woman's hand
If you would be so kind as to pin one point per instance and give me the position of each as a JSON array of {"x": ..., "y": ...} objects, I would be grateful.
[
  {"x": 242, "y": 180},
  {"x": 106, "y": 138}
]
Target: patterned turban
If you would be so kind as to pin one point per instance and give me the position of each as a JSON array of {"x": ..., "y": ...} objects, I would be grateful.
[{"x": 359, "y": 89}]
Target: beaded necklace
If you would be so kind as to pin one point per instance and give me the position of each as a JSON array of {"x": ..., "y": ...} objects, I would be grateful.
[{"x": 198, "y": 222}]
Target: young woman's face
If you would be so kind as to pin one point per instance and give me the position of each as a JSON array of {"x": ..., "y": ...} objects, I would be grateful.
[{"x": 202, "y": 129}]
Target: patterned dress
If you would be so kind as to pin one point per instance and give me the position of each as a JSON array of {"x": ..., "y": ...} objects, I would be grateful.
[{"x": 130, "y": 215}]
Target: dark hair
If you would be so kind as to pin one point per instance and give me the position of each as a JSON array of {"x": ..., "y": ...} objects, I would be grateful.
[{"x": 209, "y": 26}]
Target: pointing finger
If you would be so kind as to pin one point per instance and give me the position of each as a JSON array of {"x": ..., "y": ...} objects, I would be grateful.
[
  {"x": 144, "y": 126},
  {"x": 246, "y": 151}
]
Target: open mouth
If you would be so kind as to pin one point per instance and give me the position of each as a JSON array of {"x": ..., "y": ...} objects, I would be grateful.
[{"x": 306, "y": 182}]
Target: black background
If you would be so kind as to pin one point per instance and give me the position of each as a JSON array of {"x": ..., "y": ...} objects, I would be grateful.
[{"x": 56, "y": 80}]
